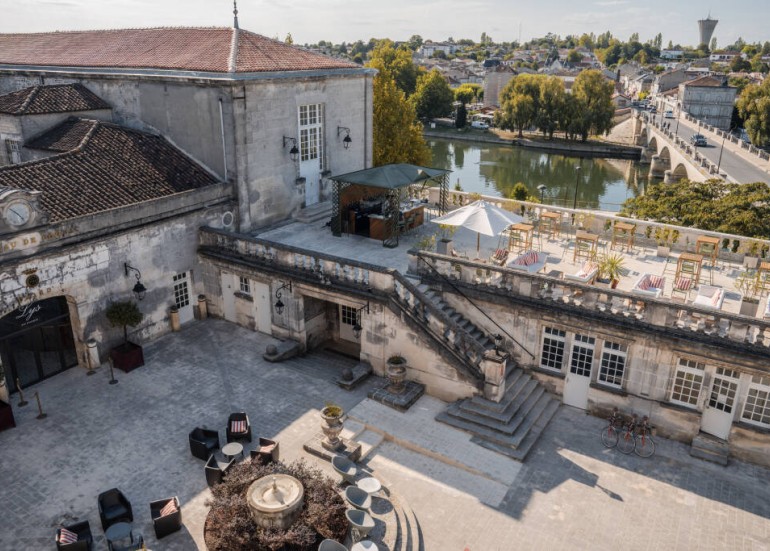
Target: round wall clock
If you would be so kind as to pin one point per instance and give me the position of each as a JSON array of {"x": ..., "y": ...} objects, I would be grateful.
[{"x": 17, "y": 213}]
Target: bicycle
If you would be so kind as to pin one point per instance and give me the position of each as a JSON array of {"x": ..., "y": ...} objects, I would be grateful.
[
  {"x": 627, "y": 439},
  {"x": 610, "y": 432},
  {"x": 644, "y": 445}
]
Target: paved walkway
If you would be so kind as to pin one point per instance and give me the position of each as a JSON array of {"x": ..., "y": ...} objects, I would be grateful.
[{"x": 570, "y": 492}]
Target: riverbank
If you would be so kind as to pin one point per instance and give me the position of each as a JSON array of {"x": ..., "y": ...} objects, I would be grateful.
[{"x": 590, "y": 148}]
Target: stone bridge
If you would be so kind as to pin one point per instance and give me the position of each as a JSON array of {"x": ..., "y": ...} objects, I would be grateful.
[{"x": 670, "y": 157}]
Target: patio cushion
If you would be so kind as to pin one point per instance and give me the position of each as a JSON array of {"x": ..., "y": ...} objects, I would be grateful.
[
  {"x": 168, "y": 509},
  {"x": 587, "y": 268},
  {"x": 527, "y": 259},
  {"x": 683, "y": 283},
  {"x": 65, "y": 536},
  {"x": 644, "y": 284},
  {"x": 238, "y": 426},
  {"x": 656, "y": 281}
]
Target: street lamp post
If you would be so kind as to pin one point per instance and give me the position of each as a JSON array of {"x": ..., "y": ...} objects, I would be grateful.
[
  {"x": 541, "y": 188},
  {"x": 574, "y": 199}
]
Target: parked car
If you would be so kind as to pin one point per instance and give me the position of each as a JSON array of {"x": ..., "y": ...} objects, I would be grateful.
[
  {"x": 479, "y": 124},
  {"x": 698, "y": 140},
  {"x": 669, "y": 114},
  {"x": 653, "y": 109}
]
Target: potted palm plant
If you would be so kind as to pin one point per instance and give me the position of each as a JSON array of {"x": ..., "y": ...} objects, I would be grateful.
[
  {"x": 610, "y": 270},
  {"x": 125, "y": 314}
]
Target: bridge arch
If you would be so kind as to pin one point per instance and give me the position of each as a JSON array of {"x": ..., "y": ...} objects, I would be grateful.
[{"x": 679, "y": 172}]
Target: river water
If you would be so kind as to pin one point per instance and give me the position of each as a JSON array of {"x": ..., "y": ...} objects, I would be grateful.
[{"x": 493, "y": 169}]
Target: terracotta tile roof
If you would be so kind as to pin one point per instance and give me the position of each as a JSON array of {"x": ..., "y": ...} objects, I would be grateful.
[
  {"x": 111, "y": 167},
  {"x": 65, "y": 137},
  {"x": 705, "y": 81},
  {"x": 61, "y": 98},
  {"x": 183, "y": 49}
]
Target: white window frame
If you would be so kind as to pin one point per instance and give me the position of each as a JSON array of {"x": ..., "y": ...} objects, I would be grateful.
[
  {"x": 618, "y": 354},
  {"x": 686, "y": 367},
  {"x": 556, "y": 340},
  {"x": 244, "y": 285},
  {"x": 311, "y": 125},
  {"x": 13, "y": 150},
  {"x": 181, "y": 290},
  {"x": 761, "y": 385},
  {"x": 583, "y": 345},
  {"x": 348, "y": 315}
]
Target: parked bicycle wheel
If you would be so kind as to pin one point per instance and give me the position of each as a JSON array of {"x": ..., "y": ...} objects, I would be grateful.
[
  {"x": 644, "y": 446},
  {"x": 610, "y": 436},
  {"x": 626, "y": 442}
]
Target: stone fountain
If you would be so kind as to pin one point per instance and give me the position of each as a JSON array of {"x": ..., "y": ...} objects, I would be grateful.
[{"x": 275, "y": 500}]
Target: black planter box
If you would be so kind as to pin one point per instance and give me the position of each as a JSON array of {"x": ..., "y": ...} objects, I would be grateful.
[
  {"x": 6, "y": 416},
  {"x": 127, "y": 357}
]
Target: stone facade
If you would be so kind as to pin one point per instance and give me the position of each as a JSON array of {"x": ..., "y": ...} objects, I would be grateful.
[{"x": 709, "y": 101}]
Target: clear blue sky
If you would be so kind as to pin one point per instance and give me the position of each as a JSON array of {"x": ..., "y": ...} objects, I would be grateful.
[{"x": 349, "y": 20}]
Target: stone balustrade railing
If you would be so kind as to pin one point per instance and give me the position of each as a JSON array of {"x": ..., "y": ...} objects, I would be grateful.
[
  {"x": 764, "y": 155},
  {"x": 705, "y": 322},
  {"x": 680, "y": 238},
  {"x": 329, "y": 269}
]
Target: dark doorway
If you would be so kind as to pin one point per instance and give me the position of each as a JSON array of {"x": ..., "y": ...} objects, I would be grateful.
[{"x": 36, "y": 342}]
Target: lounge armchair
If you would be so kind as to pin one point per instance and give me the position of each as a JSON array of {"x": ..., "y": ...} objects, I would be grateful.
[
  {"x": 113, "y": 508},
  {"x": 267, "y": 452},
  {"x": 203, "y": 442},
  {"x": 361, "y": 522},
  {"x": 238, "y": 427},
  {"x": 649, "y": 285},
  {"x": 215, "y": 469},
  {"x": 586, "y": 274},
  {"x": 82, "y": 532},
  {"x": 709, "y": 296},
  {"x": 499, "y": 258},
  {"x": 530, "y": 262},
  {"x": 331, "y": 545},
  {"x": 166, "y": 519},
  {"x": 358, "y": 498},
  {"x": 345, "y": 468}
]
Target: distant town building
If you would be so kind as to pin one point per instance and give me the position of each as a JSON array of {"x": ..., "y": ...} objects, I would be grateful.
[
  {"x": 494, "y": 82},
  {"x": 708, "y": 99}
]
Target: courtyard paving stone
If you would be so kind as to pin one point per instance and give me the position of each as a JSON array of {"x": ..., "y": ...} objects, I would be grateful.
[{"x": 571, "y": 492}]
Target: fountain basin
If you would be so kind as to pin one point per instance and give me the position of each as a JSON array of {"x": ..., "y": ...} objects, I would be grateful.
[{"x": 276, "y": 500}]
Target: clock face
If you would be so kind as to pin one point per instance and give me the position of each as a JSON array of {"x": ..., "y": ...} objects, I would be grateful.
[{"x": 18, "y": 213}]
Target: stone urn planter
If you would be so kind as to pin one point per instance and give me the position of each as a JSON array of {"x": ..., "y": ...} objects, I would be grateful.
[
  {"x": 396, "y": 371},
  {"x": 333, "y": 417}
]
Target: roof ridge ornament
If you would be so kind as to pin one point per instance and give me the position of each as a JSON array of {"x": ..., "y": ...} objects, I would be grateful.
[{"x": 235, "y": 14}]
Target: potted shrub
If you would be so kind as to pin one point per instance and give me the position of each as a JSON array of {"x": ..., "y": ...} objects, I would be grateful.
[
  {"x": 444, "y": 245},
  {"x": 128, "y": 355},
  {"x": 751, "y": 254},
  {"x": 663, "y": 239},
  {"x": 610, "y": 270},
  {"x": 746, "y": 283},
  {"x": 333, "y": 417}
]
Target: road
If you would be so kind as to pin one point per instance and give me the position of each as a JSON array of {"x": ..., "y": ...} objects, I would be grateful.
[{"x": 735, "y": 166}]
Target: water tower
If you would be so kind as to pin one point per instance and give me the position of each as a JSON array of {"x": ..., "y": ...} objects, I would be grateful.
[{"x": 706, "y": 27}]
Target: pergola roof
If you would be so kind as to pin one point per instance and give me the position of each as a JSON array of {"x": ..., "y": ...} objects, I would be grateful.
[{"x": 391, "y": 176}]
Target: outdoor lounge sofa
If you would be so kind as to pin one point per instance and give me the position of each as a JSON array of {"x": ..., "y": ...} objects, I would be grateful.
[
  {"x": 114, "y": 507},
  {"x": 649, "y": 285},
  {"x": 81, "y": 530},
  {"x": 166, "y": 519},
  {"x": 529, "y": 261},
  {"x": 238, "y": 427},
  {"x": 215, "y": 469},
  {"x": 267, "y": 452},
  {"x": 203, "y": 442},
  {"x": 709, "y": 296},
  {"x": 586, "y": 274}
]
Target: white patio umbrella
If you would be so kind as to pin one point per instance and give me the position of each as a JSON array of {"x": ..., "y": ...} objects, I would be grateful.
[{"x": 481, "y": 217}]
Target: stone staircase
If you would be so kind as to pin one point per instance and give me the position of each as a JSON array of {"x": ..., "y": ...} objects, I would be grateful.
[
  {"x": 464, "y": 324},
  {"x": 320, "y": 212},
  {"x": 513, "y": 425},
  {"x": 710, "y": 448}
]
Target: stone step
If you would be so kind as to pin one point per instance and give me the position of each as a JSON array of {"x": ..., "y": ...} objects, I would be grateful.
[
  {"x": 526, "y": 445},
  {"x": 512, "y": 400},
  {"x": 315, "y": 213},
  {"x": 369, "y": 441},
  {"x": 510, "y": 423},
  {"x": 530, "y": 417},
  {"x": 352, "y": 429},
  {"x": 710, "y": 448},
  {"x": 493, "y": 435},
  {"x": 415, "y": 533}
]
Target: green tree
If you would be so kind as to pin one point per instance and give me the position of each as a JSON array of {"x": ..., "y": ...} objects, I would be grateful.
[
  {"x": 573, "y": 56},
  {"x": 713, "y": 46},
  {"x": 518, "y": 112},
  {"x": 594, "y": 93},
  {"x": 550, "y": 105},
  {"x": 461, "y": 119},
  {"x": 465, "y": 94},
  {"x": 714, "y": 205},
  {"x": 288, "y": 39},
  {"x": 754, "y": 107},
  {"x": 124, "y": 314},
  {"x": 433, "y": 97},
  {"x": 398, "y": 61},
  {"x": 397, "y": 133},
  {"x": 415, "y": 42},
  {"x": 738, "y": 65}
]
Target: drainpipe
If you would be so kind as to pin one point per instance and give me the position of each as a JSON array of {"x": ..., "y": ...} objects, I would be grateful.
[{"x": 222, "y": 128}]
